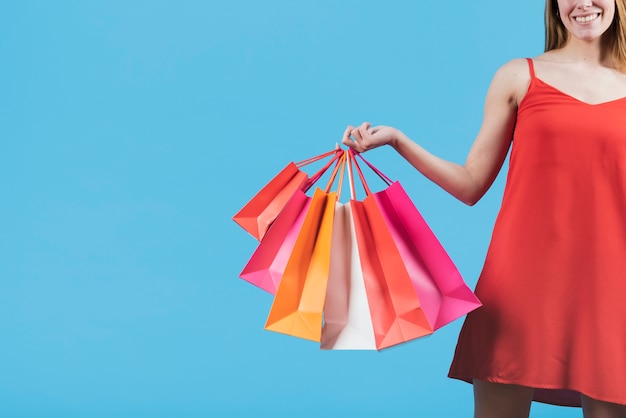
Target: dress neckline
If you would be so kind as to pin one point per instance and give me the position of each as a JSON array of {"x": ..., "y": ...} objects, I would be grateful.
[
  {"x": 534, "y": 78},
  {"x": 575, "y": 98}
]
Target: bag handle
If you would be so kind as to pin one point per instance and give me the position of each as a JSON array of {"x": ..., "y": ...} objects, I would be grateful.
[
  {"x": 351, "y": 175},
  {"x": 342, "y": 159},
  {"x": 315, "y": 177},
  {"x": 317, "y": 158},
  {"x": 380, "y": 174},
  {"x": 339, "y": 168},
  {"x": 360, "y": 173}
]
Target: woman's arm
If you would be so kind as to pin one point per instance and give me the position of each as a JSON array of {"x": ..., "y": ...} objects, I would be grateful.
[{"x": 470, "y": 181}]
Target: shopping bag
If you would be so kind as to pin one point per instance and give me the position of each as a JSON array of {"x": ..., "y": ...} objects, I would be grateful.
[
  {"x": 369, "y": 274},
  {"x": 266, "y": 265},
  {"x": 347, "y": 320},
  {"x": 441, "y": 289},
  {"x": 395, "y": 308},
  {"x": 258, "y": 214},
  {"x": 299, "y": 301}
]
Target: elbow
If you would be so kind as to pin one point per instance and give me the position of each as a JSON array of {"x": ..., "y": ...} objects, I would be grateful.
[
  {"x": 469, "y": 197},
  {"x": 466, "y": 189},
  {"x": 469, "y": 201}
]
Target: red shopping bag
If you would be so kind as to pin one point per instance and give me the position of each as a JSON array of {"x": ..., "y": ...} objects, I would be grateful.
[
  {"x": 396, "y": 311},
  {"x": 258, "y": 214},
  {"x": 442, "y": 291}
]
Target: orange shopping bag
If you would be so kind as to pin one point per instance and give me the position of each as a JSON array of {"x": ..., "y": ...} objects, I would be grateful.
[{"x": 299, "y": 302}]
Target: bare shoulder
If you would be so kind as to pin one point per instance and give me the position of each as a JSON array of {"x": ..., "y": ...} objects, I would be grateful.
[{"x": 511, "y": 80}]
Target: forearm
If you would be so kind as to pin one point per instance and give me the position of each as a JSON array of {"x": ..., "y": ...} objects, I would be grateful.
[{"x": 454, "y": 178}]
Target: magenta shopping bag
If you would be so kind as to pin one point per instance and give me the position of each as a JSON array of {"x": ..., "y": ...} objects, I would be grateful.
[
  {"x": 267, "y": 264},
  {"x": 442, "y": 291}
]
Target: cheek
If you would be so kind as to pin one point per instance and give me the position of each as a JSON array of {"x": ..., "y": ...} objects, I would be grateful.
[
  {"x": 609, "y": 7},
  {"x": 609, "y": 14},
  {"x": 566, "y": 6},
  {"x": 565, "y": 11}
]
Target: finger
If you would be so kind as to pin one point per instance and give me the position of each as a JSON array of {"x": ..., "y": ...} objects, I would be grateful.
[
  {"x": 352, "y": 144},
  {"x": 365, "y": 125},
  {"x": 345, "y": 139},
  {"x": 364, "y": 130},
  {"x": 365, "y": 136},
  {"x": 348, "y": 142},
  {"x": 348, "y": 131},
  {"x": 356, "y": 134},
  {"x": 355, "y": 146}
]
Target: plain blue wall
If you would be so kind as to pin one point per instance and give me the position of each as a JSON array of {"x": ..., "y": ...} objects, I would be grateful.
[{"x": 132, "y": 131}]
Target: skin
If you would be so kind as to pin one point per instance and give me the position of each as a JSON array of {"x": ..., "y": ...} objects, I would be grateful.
[{"x": 580, "y": 70}]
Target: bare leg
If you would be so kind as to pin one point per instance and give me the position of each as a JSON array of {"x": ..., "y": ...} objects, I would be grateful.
[
  {"x": 496, "y": 400},
  {"x": 593, "y": 408}
]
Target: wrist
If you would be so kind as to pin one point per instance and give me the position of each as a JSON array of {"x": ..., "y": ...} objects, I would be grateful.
[{"x": 397, "y": 138}]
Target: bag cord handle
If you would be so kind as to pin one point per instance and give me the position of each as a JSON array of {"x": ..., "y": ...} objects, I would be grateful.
[
  {"x": 380, "y": 174},
  {"x": 317, "y": 158},
  {"x": 338, "y": 169},
  {"x": 315, "y": 177}
]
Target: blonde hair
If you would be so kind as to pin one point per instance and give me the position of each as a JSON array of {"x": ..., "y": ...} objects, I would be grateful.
[{"x": 614, "y": 40}]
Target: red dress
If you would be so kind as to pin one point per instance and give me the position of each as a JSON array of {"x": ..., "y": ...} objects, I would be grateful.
[{"x": 553, "y": 285}]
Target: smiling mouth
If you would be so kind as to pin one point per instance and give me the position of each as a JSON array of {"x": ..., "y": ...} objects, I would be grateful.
[{"x": 589, "y": 18}]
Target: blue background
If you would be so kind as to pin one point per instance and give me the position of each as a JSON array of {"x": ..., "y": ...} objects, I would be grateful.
[{"x": 132, "y": 131}]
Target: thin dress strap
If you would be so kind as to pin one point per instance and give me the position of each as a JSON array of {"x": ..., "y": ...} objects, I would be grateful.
[{"x": 531, "y": 68}]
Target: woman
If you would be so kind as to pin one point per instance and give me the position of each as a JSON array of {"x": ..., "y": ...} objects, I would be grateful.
[{"x": 553, "y": 323}]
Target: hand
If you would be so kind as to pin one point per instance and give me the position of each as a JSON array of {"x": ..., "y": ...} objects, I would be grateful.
[{"x": 366, "y": 137}]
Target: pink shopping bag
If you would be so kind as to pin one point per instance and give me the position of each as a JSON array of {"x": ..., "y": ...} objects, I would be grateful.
[{"x": 267, "y": 264}]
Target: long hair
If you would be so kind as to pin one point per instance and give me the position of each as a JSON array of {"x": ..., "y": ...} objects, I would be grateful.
[{"x": 613, "y": 40}]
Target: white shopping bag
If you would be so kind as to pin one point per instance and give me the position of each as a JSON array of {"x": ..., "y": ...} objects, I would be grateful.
[{"x": 347, "y": 319}]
